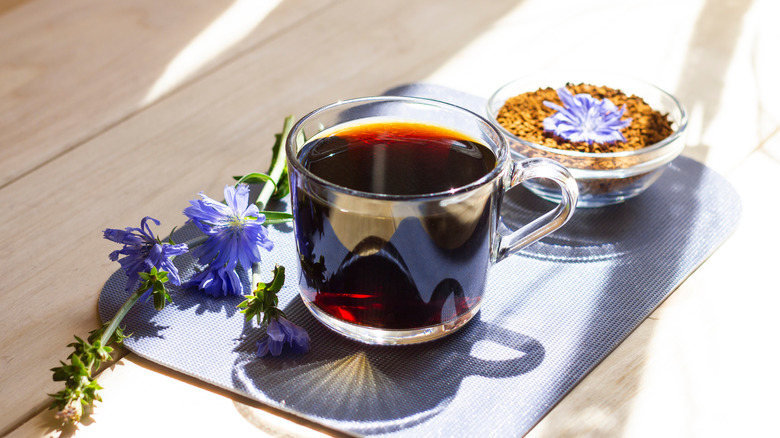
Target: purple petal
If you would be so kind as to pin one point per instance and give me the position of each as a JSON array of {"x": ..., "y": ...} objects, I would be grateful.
[
  {"x": 275, "y": 330},
  {"x": 234, "y": 235},
  {"x": 237, "y": 198},
  {"x": 252, "y": 210},
  {"x": 146, "y": 230},
  {"x": 281, "y": 331},
  {"x": 275, "y": 347},
  {"x": 262, "y": 348},
  {"x": 234, "y": 283},
  {"x": 585, "y": 119},
  {"x": 216, "y": 282}
]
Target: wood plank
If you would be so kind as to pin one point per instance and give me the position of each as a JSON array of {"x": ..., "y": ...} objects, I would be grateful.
[
  {"x": 70, "y": 70},
  {"x": 7, "y": 5},
  {"x": 53, "y": 265}
]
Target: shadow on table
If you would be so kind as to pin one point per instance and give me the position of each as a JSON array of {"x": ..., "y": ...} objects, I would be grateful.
[{"x": 370, "y": 389}]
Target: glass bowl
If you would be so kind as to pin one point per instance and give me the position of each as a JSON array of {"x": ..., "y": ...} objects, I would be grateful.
[{"x": 603, "y": 178}]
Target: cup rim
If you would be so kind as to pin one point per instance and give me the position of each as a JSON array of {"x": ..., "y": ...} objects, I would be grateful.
[{"x": 502, "y": 152}]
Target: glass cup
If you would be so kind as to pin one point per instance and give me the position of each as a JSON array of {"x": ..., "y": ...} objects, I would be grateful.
[{"x": 387, "y": 267}]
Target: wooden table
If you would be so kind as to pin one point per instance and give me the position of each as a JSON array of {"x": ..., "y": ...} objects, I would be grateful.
[{"x": 114, "y": 110}]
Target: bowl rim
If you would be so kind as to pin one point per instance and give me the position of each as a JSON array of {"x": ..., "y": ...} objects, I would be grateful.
[{"x": 681, "y": 128}]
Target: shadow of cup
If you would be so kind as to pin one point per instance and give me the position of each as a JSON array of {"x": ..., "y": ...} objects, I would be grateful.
[
  {"x": 594, "y": 234},
  {"x": 382, "y": 387}
]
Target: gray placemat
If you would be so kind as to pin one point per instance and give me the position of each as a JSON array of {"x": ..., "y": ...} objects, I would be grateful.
[{"x": 550, "y": 315}]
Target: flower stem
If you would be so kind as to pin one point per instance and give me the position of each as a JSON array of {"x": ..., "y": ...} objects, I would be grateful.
[
  {"x": 192, "y": 243},
  {"x": 255, "y": 274},
  {"x": 278, "y": 166},
  {"x": 114, "y": 323}
]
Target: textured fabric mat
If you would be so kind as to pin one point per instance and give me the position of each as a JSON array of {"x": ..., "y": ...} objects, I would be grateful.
[{"x": 550, "y": 315}]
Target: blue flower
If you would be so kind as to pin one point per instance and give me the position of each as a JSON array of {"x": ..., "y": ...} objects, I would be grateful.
[
  {"x": 584, "y": 118},
  {"x": 281, "y": 331},
  {"x": 235, "y": 236},
  {"x": 217, "y": 282},
  {"x": 142, "y": 251}
]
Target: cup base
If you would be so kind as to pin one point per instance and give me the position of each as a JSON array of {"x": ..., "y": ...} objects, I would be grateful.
[{"x": 380, "y": 336}]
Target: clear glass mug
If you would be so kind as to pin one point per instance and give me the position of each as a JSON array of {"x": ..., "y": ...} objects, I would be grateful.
[{"x": 390, "y": 268}]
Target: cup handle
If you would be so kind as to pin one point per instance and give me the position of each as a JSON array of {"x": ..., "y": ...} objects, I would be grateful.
[{"x": 553, "y": 219}]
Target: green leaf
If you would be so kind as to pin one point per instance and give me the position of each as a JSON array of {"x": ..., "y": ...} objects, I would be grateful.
[
  {"x": 263, "y": 298},
  {"x": 276, "y": 217},
  {"x": 283, "y": 185},
  {"x": 96, "y": 334},
  {"x": 76, "y": 362},
  {"x": 79, "y": 347},
  {"x": 254, "y": 178},
  {"x": 251, "y": 307},
  {"x": 278, "y": 281},
  {"x": 161, "y": 297},
  {"x": 119, "y": 335},
  {"x": 103, "y": 353},
  {"x": 61, "y": 374},
  {"x": 170, "y": 236},
  {"x": 159, "y": 301}
]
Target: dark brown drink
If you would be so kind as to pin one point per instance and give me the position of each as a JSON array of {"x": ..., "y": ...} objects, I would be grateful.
[
  {"x": 395, "y": 263},
  {"x": 398, "y": 159}
]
